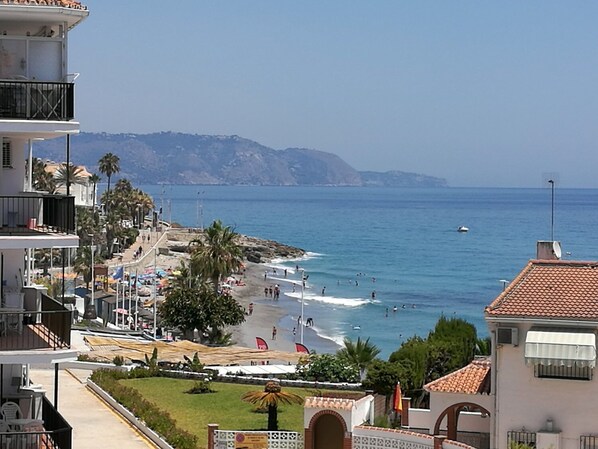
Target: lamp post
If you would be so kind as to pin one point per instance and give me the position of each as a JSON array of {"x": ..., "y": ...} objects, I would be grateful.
[
  {"x": 90, "y": 312},
  {"x": 302, "y": 288},
  {"x": 504, "y": 284},
  {"x": 155, "y": 296}
]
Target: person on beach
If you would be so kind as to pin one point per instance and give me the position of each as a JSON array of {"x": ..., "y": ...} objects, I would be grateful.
[
  {"x": 387, "y": 312},
  {"x": 394, "y": 309},
  {"x": 373, "y": 294},
  {"x": 285, "y": 272},
  {"x": 265, "y": 275},
  {"x": 294, "y": 332},
  {"x": 270, "y": 291},
  {"x": 309, "y": 322},
  {"x": 324, "y": 291},
  {"x": 266, "y": 292},
  {"x": 250, "y": 308},
  {"x": 274, "y": 332}
]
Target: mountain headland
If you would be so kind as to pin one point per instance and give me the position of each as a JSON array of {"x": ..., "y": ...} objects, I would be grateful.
[{"x": 177, "y": 158}]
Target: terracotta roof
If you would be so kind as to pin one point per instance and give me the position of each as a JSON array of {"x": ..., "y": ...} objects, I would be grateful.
[
  {"x": 73, "y": 4},
  {"x": 471, "y": 379},
  {"x": 552, "y": 289}
]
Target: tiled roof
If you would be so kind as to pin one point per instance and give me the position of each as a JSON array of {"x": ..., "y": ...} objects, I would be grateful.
[
  {"x": 551, "y": 289},
  {"x": 471, "y": 379},
  {"x": 329, "y": 403},
  {"x": 73, "y": 4}
]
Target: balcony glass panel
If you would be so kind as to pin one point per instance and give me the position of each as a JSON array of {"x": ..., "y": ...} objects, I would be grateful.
[{"x": 33, "y": 100}]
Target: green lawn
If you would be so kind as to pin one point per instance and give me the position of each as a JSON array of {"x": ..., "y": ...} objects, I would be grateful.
[{"x": 193, "y": 412}]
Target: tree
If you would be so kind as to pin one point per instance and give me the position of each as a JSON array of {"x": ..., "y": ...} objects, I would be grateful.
[
  {"x": 42, "y": 180},
  {"x": 82, "y": 263},
  {"x": 327, "y": 368},
  {"x": 70, "y": 174},
  {"x": 359, "y": 354},
  {"x": 217, "y": 254},
  {"x": 109, "y": 164},
  {"x": 94, "y": 179},
  {"x": 271, "y": 397},
  {"x": 199, "y": 307}
]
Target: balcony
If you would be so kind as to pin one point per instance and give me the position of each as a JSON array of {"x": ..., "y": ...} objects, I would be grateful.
[
  {"x": 54, "y": 433},
  {"x": 31, "y": 214},
  {"x": 49, "y": 327},
  {"x": 33, "y": 100},
  {"x": 521, "y": 438}
]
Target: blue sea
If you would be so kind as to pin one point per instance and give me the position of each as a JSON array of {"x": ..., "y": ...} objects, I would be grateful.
[{"x": 400, "y": 243}]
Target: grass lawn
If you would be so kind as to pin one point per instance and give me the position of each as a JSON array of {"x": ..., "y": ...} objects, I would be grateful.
[{"x": 193, "y": 412}]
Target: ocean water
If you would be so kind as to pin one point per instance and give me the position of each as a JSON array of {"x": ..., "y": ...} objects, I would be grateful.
[{"x": 401, "y": 244}]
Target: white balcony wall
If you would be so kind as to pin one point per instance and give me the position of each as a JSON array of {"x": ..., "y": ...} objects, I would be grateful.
[{"x": 31, "y": 58}]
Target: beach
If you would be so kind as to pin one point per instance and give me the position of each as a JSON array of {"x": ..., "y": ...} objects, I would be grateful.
[{"x": 165, "y": 250}]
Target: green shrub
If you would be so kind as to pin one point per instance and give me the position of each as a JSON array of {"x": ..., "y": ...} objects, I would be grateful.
[
  {"x": 118, "y": 360},
  {"x": 201, "y": 387},
  {"x": 154, "y": 418}
]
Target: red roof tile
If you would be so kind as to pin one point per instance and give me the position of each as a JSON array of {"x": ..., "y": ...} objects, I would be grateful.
[
  {"x": 471, "y": 379},
  {"x": 552, "y": 289}
]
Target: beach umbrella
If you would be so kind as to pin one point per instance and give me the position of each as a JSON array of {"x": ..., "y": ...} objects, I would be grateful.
[{"x": 121, "y": 311}]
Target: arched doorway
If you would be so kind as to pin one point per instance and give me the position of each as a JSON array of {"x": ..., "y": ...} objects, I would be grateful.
[
  {"x": 452, "y": 418},
  {"x": 328, "y": 433}
]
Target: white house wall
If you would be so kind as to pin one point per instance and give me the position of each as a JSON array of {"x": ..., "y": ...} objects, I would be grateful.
[
  {"x": 524, "y": 401},
  {"x": 439, "y": 402}
]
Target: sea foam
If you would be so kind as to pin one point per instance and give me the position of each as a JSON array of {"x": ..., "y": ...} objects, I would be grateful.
[{"x": 337, "y": 301}]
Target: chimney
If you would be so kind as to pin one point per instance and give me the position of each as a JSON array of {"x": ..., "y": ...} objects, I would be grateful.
[{"x": 546, "y": 250}]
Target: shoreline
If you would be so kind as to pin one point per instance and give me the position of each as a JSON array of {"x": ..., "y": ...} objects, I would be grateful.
[{"x": 267, "y": 312}]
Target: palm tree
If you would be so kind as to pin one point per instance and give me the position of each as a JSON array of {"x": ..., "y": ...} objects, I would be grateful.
[
  {"x": 42, "y": 180},
  {"x": 360, "y": 354},
  {"x": 94, "y": 179},
  {"x": 271, "y": 397},
  {"x": 71, "y": 174},
  {"x": 108, "y": 165},
  {"x": 217, "y": 254}
]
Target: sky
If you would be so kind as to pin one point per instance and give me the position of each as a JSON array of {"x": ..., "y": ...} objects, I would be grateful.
[{"x": 483, "y": 94}]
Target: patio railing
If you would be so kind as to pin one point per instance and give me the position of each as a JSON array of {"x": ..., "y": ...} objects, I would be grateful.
[
  {"x": 49, "y": 328},
  {"x": 34, "y": 100},
  {"x": 521, "y": 437},
  {"x": 55, "y": 433},
  {"x": 45, "y": 213}
]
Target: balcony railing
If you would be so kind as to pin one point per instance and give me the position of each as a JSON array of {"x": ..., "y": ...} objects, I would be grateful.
[
  {"x": 521, "y": 437},
  {"x": 55, "y": 433},
  {"x": 33, "y": 100},
  {"x": 45, "y": 213},
  {"x": 588, "y": 442},
  {"x": 49, "y": 328}
]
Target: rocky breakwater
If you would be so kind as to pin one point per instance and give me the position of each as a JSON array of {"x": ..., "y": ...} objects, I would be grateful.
[{"x": 254, "y": 249}]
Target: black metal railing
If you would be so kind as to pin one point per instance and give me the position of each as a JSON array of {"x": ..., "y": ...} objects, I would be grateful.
[
  {"x": 34, "y": 100},
  {"x": 521, "y": 438},
  {"x": 54, "y": 433},
  {"x": 49, "y": 328},
  {"x": 588, "y": 442},
  {"x": 46, "y": 213}
]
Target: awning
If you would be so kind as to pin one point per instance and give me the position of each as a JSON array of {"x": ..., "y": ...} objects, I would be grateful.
[{"x": 560, "y": 348}]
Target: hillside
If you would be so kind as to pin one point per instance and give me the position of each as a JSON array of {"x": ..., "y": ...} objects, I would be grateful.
[{"x": 177, "y": 158}]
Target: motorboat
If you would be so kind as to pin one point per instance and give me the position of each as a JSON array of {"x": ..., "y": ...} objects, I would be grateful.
[{"x": 462, "y": 229}]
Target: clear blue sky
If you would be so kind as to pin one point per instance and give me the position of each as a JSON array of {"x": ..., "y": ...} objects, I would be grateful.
[{"x": 480, "y": 93}]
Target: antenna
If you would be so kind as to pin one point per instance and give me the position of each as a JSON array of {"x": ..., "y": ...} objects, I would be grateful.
[{"x": 551, "y": 182}]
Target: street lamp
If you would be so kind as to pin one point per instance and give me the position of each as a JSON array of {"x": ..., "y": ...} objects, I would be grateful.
[
  {"x": 90, "y": 311},
  {"x": 302, "y": 320},
  {"x": 504, "y": 284}
]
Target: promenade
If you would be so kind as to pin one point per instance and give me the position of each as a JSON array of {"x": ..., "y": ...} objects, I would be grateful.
[{"x": 95, "y": 424}]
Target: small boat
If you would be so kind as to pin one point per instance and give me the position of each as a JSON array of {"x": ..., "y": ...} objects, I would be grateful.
[{"x": 462, "y": 229}]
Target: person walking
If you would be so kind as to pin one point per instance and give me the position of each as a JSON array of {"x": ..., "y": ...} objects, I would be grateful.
[{"x": 274, "y": 332}]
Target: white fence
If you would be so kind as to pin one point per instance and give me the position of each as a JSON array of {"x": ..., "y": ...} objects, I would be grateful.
[
  {"x": 225, "y": 439},
  {"x": 375, "y": 438}
]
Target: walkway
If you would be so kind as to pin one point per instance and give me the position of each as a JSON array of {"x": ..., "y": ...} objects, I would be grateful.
[
  {"x": 95, "y": 424},
  {"x": 148, "y": 241}
]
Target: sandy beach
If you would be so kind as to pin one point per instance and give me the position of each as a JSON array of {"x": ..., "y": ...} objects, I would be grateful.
[{"x": 267, "y": 312}]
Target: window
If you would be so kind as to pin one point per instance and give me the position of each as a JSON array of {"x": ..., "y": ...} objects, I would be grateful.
[
  {"x": 563, "y": 372},
  {"x": 6, "y": 154}
]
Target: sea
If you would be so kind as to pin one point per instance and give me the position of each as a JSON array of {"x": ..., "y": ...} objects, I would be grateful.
[{"x": 386, "y": 263}]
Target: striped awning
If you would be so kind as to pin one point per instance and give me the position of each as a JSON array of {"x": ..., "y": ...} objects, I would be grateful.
[{"x": 560, "y": 348}]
